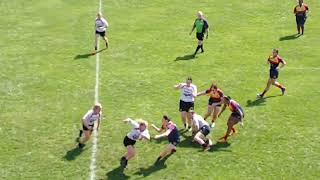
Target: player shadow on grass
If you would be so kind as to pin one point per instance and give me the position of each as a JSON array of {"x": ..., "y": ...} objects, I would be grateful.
[
  {"x": 185, "y": 57},
  {"x": 289, "y": 37},
  {"x": 259, "y": 101},
  {"x": 153, "y": 168},
  {"x": 73, "y": 153},
  {"x": 220, "y": 147},
  {"x": 117, "y": 173},
  {"x": 85, "y": 56}
]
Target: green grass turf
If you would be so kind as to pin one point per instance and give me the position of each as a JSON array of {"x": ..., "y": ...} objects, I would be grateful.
[{"x": 44, "y": 91}]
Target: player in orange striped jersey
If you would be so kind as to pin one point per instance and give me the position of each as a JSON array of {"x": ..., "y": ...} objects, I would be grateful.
[
  {"x": 300, "y": 12},
  {"x": 274, "y": 60},
  {"x": 214, "y": 103}
]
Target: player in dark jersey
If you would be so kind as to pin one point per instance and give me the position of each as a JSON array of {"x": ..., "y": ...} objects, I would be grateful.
[
  {"x": 214, "y": 103},
  {"x": 171, "y": 131},
  {"x": 236, "y": 116},
  {"x": 274, "y": 60},
  {"x": 300, "y": 12},
  {"x": 202, "y": 27}
]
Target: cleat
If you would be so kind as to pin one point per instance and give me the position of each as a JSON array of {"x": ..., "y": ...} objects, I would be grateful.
[
  {"x": 213, "y": 125},
  {"x": 80, "y": 145},
  {"x": 259, "y": 95},
  {"x": 283, "y": 90}
]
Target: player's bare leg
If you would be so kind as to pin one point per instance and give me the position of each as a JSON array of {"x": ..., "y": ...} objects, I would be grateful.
[{"x": 216, "y": 111}]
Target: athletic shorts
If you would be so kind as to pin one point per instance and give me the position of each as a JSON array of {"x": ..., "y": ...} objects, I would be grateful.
[
  {"x": 174, "y": 140},
  {"x": 212, "y": 102},
  {"x": 127, "y": 142},
  {"x": 236, "y": 115},
  {"x": 274, "y": 73},
  {"x": 300, "y": 20},
  {"x": 205, "y": 130},
  {"x": 102, "y": 34},
  {"x": 186, "y": 106},
  {"x": 86, "y": 129},
  {"x": 200, "y": 36}
]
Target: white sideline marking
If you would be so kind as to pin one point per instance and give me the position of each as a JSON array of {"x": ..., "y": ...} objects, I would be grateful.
[{"x": 96, "y": 99}]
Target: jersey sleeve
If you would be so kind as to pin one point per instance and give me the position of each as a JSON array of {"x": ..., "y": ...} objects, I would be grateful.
[
  {"x": 146, "y": 134},
  {"x": 220, "y": 93},
  {"x": 87, "y": 115},
  {"x": 280, "y": 59},
  {"x": 205, "y": 25},
  {"x": 306, "y": 6},
  {"x": 134, "y": 124}
]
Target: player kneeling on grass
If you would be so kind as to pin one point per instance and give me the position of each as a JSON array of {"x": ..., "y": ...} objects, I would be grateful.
[
  {"x": 200, "y": 129},
  {"x": 236, "y": 116},
  {"x": 139, "y": 131},
  {"x": 88, "y": 120},
  {"x": 171, "y": 131}
]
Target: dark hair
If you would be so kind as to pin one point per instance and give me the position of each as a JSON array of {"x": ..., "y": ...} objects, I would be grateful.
[
  {"x": 276, "y": 50},
  {"x": 189, "y": 78},
  {"x": 214, "y": 86},
  {"x": 227, "y": 98},
  {"x": 166, "y": 118}
]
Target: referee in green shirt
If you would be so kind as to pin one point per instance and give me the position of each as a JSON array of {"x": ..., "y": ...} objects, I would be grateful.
[{"x": 202, "y": 27}]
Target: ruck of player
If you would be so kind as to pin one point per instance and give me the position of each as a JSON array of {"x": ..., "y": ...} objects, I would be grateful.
[{"x": 199, "y": 127}]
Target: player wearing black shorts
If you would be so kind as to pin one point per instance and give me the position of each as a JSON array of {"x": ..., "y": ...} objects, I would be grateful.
[
  {"x": 101, "y": 25},
  {"x": 274, "y": 60},
  {"x": 202, "y": 27}
]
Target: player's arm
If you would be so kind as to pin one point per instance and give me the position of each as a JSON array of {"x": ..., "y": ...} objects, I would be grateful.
[
  {"x": 194, "y": 26},
  {"x": 195, "y": 92},
  {"x": 165, "y": 134},
  {"x": 283, "y": 63},
  {"x": 156, "y": 128},
  {"x": 177, "y": 86},
  {"x": 223, "y": 108},
  {"x": 202, "y": 93},
  {"x": 195, "y": 127},
  {"x": 206, "y": 31}
]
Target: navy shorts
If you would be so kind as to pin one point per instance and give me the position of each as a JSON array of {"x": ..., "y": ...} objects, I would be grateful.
[
  {"x": 102, "y": 34},
  {"x": 205, "y": 130},
  {"x": 274, "y": 73},
  {"x": 86, "y": 129},
  {"x": 236, "y": 115},
  {"x": 300, "y": 20},
  {"x": 200, "y": 36},
  {"x": 186, "y": 106}
]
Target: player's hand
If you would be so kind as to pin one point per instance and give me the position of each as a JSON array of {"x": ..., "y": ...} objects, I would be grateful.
[
  {"x": 126, "y": 120},
  {"x": 154, "y": 126},
  {"x": 241, "y": 124}
]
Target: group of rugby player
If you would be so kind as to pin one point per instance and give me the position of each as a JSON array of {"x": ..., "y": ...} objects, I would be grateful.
[{"x": 193, "y": 122}]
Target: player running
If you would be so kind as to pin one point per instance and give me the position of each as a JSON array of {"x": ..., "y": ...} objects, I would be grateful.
[
  {"x": 214, "y": 103},
  {"x": 101, "y": 25},
  {"x": 274, "y": 60},
  {"x": 87, "y": 122},
  {"x": 188, "y": 93},
  {"x": 236, "y": 116},
  {"x": 300, "y": 12},
  {"x": 139, "y": 131},
  {"x": 171, "y": 131},
  {"x": 200, "y": 129},
  {"x": 202, "y": 27}
]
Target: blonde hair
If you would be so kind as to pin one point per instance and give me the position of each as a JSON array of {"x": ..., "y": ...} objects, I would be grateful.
[
  {"x": 201, "y": 14},
  {"x": 97, "y": 105},
  {"x": 141, "y": 121}
]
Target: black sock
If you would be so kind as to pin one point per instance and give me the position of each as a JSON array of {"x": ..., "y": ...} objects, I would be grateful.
[
  {"x": 95, "y": 48},
  {"x": 80, "y": 133},
  {"x": 198, "y": 47},
  {"x": 158, "y": 159},
  {"x": 201, "y": 48}
]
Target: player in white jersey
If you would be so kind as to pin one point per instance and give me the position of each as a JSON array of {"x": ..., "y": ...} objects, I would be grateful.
[
  {"x": 200, "y": 129},
  {"x": 87, "y": 121},
  {"x": 101, "y": 25},
  {"x": 139, "y": 131},
  {"x": 188, "y": 94}
]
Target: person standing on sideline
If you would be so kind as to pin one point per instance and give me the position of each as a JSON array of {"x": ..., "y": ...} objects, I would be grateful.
[
  {"x": 188, "y": 94},
  {"x": 274, "y": 60},
  {"x": 87, "y": 122},
  {"x": 101, "y": 25},
  {"x": 300, "y": 11},
  {"x": 202, "y": 27}
]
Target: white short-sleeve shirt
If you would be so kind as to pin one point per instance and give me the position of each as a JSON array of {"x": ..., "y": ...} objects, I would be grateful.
[
  {"x": 135, "y": 132},
  {"x": 90, "y": 118},
  {"x": 188, "y": 92},
  {"x": 101, "y": 24}
]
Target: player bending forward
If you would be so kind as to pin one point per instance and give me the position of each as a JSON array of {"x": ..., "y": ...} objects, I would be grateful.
[
  {"x": 171, "y": 131},
  {"x": 200, "y": 130},
  {"x": 87, "y": 121},
  {"x": 139, "y": 131}
]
